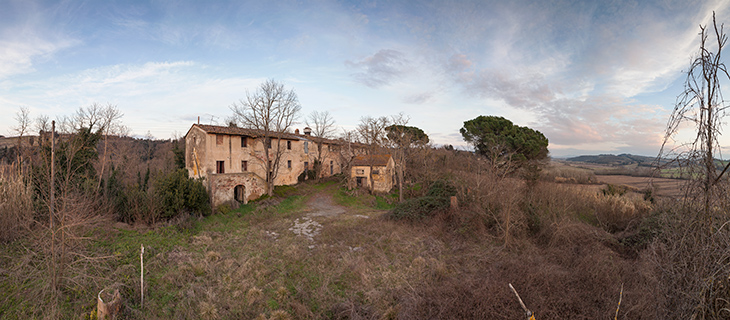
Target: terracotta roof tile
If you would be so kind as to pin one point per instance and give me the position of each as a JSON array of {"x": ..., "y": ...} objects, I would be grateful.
[
  {"x": 254, "y": 133},
  {"x": 380, "y": 160}
]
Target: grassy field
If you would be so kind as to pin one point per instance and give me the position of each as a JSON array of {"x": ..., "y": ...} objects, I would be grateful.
[
  {"x": 662, "y": 186},
  {"x": 588, "y": 173}
]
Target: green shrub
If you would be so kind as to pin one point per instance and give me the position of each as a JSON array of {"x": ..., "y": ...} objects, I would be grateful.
[
  {"x": 436, "y": 199},
  {"x": 177, "y": 193},
  {"x": 307, "y": 175},
  {"x": 418, "y": 208},
  {"x": 441, "y": 188}
]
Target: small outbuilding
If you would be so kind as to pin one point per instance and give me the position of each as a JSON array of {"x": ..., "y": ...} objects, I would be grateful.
[{"x": 378, "y": 169}]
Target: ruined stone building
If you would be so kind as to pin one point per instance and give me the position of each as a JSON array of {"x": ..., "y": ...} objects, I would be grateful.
[
  {"x": 383, "y": 172},
  {"x": 231, "y": 160}
]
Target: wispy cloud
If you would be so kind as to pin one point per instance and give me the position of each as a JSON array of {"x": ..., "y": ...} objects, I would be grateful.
[
  {"x": 29, "y": 40},
  {"x": 18, "y": 56},
  {"x": 152, "y": 95},
  {"x": 572, "y": 119},
  {"x": 419, "y": 98},
  {"x": 381, "y": 68}
]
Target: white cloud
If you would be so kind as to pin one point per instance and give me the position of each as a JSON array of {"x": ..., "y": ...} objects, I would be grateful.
[{"x": 23, "y": 46}]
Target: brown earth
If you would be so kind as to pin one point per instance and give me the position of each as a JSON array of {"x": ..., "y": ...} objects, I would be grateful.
[{"x": 321, "y": 204}]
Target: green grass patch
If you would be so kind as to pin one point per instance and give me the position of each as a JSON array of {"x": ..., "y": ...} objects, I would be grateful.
[
  {"x": 386, "y": 202},
  {"x": 324, "y": 184},
  {"x": 125, "y": 245},
  {"x": 285, "y": 191},
  {"x": 344, "y": 198},
  {"x": 291, "y": 204}
]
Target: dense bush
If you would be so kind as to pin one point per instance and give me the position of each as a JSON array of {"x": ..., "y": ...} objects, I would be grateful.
[
  {"x": 177, "y": 194},
  {"x": 418, "y": 208},
  {"x": 441, "y": 189},
  {"x": 436, "y": 199}
]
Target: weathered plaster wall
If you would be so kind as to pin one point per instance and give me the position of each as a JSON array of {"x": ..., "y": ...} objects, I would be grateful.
[
  {"x": 383, "y": 179},
  {"x": 230, "y": 151},
  {"x": 196, "y": 141}
]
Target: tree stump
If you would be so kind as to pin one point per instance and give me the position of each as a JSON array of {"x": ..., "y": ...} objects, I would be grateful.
[{"x": 109, "y": 306}]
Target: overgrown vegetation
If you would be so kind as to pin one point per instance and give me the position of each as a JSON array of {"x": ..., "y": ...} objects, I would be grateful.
[
  {"x": 435, "y": 200},
  {"x": 323, "y": 251}
]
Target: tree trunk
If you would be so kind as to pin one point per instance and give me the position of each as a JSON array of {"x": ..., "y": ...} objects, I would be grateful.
[{"x": 109, "y": 306}]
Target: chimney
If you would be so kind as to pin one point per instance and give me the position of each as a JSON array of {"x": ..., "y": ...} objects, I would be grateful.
[
  {"x": 307, "y": 131},
  {"x": 198, "y": 119},
  {"x": 296, "y": 131}
]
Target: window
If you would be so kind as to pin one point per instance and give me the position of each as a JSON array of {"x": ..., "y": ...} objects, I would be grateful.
[
  {"x": 306, "y": 146},
  {"x": 218, "y": 139},
  {"x": 376, "y": 171},
  {"x": 288, "y": 145},
  {"x": 306, "y": 165},
  {"x": 244, "y": 143},
  {"x": 288, "y": 164},
  {"x": 268, "y": 143},
  {"x": 332, "y": 168},
  {"x": 244, "y": 166},
  {"x": 220, "y": 167}
]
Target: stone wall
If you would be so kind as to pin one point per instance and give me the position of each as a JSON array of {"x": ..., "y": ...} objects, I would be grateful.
[{"x": 222, "y": 188}]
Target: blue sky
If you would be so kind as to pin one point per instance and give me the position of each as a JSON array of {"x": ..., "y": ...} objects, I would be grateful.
[{"x": 593, "y": 76}]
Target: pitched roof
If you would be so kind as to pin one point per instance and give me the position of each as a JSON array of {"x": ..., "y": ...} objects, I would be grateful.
[
  {"x": 255, "y": 133},
  {"x": 236, "y": 131},
  {"x": 380, "y": 160}
]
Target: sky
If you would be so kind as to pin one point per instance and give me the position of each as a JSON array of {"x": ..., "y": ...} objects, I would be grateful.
[{"x": 592, "y": 76}]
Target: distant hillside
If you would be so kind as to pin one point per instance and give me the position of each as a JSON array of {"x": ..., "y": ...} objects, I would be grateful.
[{"x": 615, "y": 160}]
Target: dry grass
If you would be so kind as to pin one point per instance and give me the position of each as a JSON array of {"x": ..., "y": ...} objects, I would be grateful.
[
  {"x": 564, "y": 173},
  {"x": 371, "y": 268},
  {"x": 561, "y": 245},
  {"x": 16, "y": 204}
]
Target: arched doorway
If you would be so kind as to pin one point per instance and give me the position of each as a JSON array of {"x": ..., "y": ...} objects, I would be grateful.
[{"x": 239, "y": 193}]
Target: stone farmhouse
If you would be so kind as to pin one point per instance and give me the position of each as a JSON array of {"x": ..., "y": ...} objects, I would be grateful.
[
  {"x": 232, "y": 160},
  {"x": 382, "y": 175}
]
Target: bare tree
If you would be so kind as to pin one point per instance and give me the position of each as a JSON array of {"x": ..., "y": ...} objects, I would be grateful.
[
  {"x": 110, "y": 124},
  {"x": 701, "y": 104},
  {"x": 371, "y": 132},
  {"x": 402, "y": 138},
  {"x": 346, "y": 150},
  {"x": 693, "y": 256},
  {"x": 22, "y": 117},
  {"x": 323, "y": 127},
  {"x": 271, "y": 109},
  {"x": 43, "y": 123}
]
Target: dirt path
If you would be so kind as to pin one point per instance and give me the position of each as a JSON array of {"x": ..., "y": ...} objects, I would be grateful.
[
  {"x": 322, "y": 204},
  {"x": 319, "y": 204}
]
